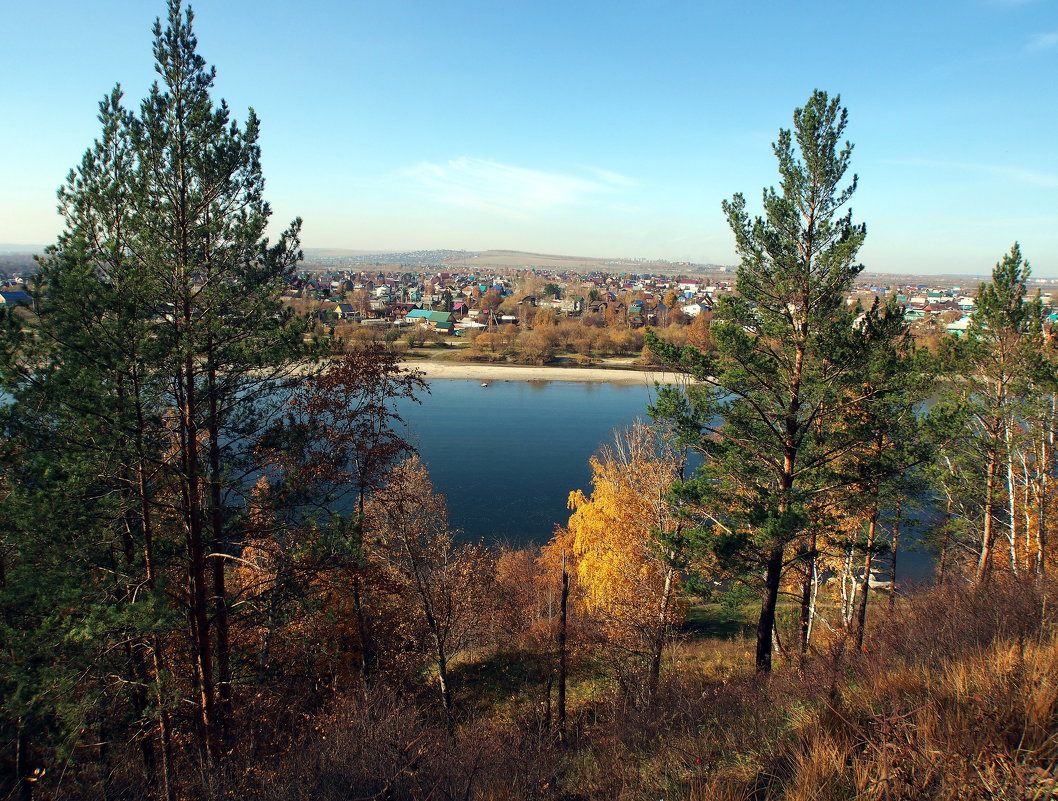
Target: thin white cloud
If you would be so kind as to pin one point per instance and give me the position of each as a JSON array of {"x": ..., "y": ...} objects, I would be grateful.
[
  {"x": 485, "y": 185},
  {"x": 610, "y": 177},
  {"x": 1042, "y": 41},
  {"x": 1019, "y": 174}
]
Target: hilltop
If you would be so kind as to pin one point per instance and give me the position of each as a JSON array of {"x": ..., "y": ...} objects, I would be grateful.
[{"x": 329, "y": 258}]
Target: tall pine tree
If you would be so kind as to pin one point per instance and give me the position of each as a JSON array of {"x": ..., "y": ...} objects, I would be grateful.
[
  {"x": 780, "y": 402},
  {"x": 148, "y": 373}
]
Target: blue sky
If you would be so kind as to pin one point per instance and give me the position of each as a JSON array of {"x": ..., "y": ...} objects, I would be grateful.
[{"x": 579, "y": 127}]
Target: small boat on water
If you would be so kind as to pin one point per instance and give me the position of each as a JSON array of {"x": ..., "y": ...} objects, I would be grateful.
[{"x": 484, "y": 383}]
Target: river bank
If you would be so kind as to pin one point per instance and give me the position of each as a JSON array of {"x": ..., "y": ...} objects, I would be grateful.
[{"x": 477, "y": 371}]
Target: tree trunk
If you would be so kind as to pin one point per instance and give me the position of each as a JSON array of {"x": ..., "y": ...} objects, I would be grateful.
[
  {"x": 157, "y": 658},
  {"x": 442, "y": 682},
  {"x": 363, "y": 632},
  {"x": 164, "y": 727},
  {"x": 984, "y": 559},
  {"x": 1011, "y": 500},
  {"x": 198, "y": 608},
  {"x": 766, "y": 623},
  {"x": 563, "y": 622},
  {"x": 894, "y": 552},
  {"x": 805, "y": 616},
  {"x": 848, "y": 588},
  {"x": 1047, "y": 448},
  {"x": 218, "y": 545},
  {"x": 23, "y": 772},
  {"x": 139, "y": 705},
  {"x": 865, "y": 583},
  {"x": 222, "y": 717},
  {"x": 773, "y": 575},
  {"x": 658, "y": 646},
  {"x": 806, "y": 600},
  {"x": 815, "y": 596},
  {"x": 1026, "y": 512},
  {"x": 945, "y": 542}
]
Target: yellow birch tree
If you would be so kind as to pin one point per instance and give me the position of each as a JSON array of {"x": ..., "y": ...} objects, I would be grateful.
[{"x": 624, "y": 538}]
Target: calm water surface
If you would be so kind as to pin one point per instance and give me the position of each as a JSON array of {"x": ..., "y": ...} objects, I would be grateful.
[{"x": 508, "y": 455}]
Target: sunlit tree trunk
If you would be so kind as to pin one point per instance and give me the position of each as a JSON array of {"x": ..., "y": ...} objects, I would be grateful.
[
  {"x": 985, "y": 556},
  {"x": 1012, "y": 500},
  {"x": 894, "y": 553},
  {"x": 865, "y": 583},
  {"x": 662, "y": 629}
]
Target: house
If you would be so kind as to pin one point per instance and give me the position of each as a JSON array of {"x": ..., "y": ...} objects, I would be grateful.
[
  {"x": 959, "y": 327},
  {"x": 637, "y": 315},
  {"x": 572, "y": 305},
  {"x": 346, "y": 311},
  {"x": 401, "y": 310},
  {"x": 436, "y": 320},
  {"x": 16, "y": 298}
]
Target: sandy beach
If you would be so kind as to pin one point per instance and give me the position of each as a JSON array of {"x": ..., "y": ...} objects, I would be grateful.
[{"x": 472, "y": 371}]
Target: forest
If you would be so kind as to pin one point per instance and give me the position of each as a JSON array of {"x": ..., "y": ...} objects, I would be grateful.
[{"x": 224, "y": 572}]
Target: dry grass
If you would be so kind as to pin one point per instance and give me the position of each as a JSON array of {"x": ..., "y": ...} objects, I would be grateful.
[
  {"x": 956, "y": 698},
  {"x": 957, "y": 705}
]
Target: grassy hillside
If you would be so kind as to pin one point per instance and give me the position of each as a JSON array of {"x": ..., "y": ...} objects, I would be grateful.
[{"x": 955, "y": 697}]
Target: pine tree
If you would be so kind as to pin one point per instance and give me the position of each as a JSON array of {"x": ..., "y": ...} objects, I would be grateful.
[
  {"x": 153, "y": 362},
  {"x": 780, "y": 393}
]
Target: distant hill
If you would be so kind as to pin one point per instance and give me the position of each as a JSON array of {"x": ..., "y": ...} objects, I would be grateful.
[
  {"x": 456, "y": 260},
  {"x": 18, "y": 259},
  {"x": 6, "y": 248}
]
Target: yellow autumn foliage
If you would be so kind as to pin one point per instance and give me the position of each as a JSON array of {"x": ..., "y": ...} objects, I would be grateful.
[{"x": 622, "y": 563}]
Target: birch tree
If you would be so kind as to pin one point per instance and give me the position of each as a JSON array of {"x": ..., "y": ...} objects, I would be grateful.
[
  {"x": 627, "y": 541},
  {"x": 998, "y": 367}
]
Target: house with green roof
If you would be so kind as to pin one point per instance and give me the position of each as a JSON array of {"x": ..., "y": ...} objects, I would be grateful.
[{"x": 437, "y": 320}]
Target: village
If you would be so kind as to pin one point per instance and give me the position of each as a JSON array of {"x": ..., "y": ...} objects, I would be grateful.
[
  {"x": 463, "y": 304},
  {"x": 434, "y": 304}
]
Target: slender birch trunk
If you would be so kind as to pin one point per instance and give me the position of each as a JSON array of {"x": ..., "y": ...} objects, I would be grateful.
[
  {"x": 894, "y": 552},
  {"x": 1011, "y": 498},
  {"x": 985, "y": 557},
  {"x": 865, "y": 583}
]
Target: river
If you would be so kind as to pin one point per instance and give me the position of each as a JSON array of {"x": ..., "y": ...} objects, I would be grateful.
[{"x": 506, "y": 456}]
